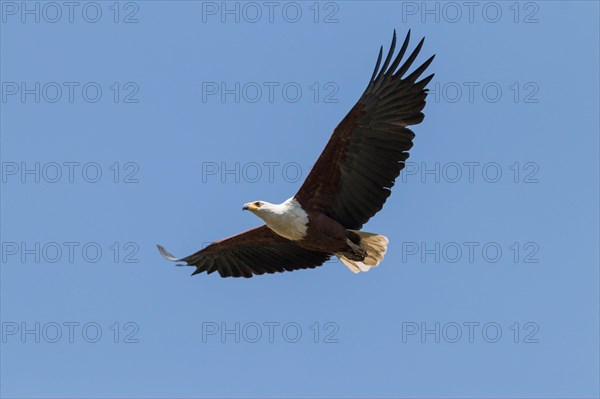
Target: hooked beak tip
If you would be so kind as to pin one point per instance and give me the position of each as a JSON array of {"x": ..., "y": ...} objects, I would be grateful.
[{"x": 245, "y": 208}]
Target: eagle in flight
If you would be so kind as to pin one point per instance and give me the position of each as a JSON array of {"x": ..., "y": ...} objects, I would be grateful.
[{"x": 348, "y": 184}]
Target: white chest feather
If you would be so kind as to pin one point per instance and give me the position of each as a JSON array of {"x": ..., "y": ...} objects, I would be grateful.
[{"x": 288, "y": 219}]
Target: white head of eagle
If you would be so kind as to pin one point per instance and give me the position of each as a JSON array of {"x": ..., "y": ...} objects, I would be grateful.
[{"x": 287, "y": 219}]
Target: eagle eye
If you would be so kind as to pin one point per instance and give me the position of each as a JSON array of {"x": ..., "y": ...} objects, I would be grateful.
[{"x": 257, "y": 204}]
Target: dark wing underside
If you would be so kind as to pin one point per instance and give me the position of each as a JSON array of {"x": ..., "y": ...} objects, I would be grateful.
[
  {"x": 352, "y": 178},
  {"x": 255, "y": 251}
]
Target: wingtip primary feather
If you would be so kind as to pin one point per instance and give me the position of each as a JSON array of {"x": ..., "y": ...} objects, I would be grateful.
[
  {"x": 406, "y": 65},
  {"x": 417, "y": 72},
  {"x": 166, "y": 254},
  {"x": 388, "y": 58},
  {"x": 392, "y": 69},
  {"x": 377, "y": 64}
]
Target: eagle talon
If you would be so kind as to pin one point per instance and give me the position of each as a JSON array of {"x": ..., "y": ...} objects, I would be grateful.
[{"x": 354, "y": 256}]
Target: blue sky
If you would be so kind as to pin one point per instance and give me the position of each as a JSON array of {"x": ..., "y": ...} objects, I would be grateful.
[{"x": 128, "y": 124}]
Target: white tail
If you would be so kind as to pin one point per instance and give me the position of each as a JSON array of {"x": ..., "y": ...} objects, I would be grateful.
[{"x": 374, "y": 244}]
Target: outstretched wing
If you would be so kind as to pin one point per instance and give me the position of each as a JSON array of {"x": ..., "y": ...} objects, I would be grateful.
[
  {"x": 255, "y": 251},
  {"x": 352, "y": 178}
]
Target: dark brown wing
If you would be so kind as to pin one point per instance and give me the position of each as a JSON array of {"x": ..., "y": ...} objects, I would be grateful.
[
  {"x": 352, "y": 178},
  {"x": 255, "y": 251}
]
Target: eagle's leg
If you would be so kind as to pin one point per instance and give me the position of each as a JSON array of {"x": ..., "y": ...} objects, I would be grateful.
[{"x": 357, "y": 254}]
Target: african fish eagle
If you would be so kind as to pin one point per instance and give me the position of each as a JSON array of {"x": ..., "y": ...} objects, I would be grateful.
[{"x": 348, "y": 184}]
